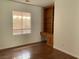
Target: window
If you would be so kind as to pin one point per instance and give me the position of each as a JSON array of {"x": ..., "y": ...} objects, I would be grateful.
[{"x": 21, "y": 22}]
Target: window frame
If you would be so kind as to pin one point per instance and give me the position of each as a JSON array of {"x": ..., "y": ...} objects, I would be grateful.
[{"x": 21, "y": 33}]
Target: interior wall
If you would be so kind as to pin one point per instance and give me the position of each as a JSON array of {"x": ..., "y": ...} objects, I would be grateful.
[
  {"x": 7, "y": 39},
  {"x": 66, "y": 26}
]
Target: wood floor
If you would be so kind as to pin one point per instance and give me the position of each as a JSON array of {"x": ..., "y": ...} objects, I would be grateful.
[{"x": 35, "y": 51}]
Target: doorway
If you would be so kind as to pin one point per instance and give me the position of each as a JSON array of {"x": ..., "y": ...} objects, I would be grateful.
[{"x": 48, "y": 25}]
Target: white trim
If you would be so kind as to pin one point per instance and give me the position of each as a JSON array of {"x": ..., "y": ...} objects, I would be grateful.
[
  {"x": 22, "y": 44},
  {"x": 67, "y": 52}
]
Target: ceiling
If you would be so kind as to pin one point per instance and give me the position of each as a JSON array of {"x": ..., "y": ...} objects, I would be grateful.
[{"x": 41, "y": 3}]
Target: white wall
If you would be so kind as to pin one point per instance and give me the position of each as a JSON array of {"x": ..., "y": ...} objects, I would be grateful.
[
  {"x": 67, "y": 26},
  {"x": 7, "y": 39}
]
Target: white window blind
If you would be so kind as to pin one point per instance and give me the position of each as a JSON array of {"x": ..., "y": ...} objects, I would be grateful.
[{"x": 21, "y": 22}]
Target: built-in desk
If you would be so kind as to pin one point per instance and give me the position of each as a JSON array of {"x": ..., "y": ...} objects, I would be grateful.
[{"x": 49, "y": 38}]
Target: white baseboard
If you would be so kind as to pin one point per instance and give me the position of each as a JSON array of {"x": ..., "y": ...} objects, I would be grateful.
[
  {"x": 67, "y": 52},
  {"x": 30, "y": 42}
]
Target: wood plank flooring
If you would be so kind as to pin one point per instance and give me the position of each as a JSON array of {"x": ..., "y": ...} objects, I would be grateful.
[{"x": 35, "y": 51}]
